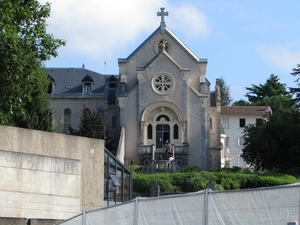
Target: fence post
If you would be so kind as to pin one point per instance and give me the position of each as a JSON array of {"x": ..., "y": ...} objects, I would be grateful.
[
  {"x": 206, "y": 206},
  {"x": 136, "y": 212},
  {"x": 83, "y": 217}
]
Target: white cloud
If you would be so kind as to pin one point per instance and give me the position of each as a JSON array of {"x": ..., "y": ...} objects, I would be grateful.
[
  {"x": 189, "y": 20},
  {"x": 284, "y": 57},
  {"x": 94, "y": 28}
]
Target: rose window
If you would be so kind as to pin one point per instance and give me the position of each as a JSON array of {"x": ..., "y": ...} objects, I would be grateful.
[{"x": 163, "y": 83}]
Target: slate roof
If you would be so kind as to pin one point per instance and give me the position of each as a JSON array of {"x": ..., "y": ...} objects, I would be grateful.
[
  {"x": 72, "y": 78},
  {"x": 245, "y": 110}
]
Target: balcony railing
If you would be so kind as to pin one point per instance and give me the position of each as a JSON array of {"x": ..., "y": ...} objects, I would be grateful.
[{"x": 157, "y": 159}]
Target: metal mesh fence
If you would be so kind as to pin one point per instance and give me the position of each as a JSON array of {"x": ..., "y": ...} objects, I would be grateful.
[{"x": 273, "y": 205}]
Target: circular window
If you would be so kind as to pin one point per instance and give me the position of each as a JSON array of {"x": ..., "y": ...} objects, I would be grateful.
[{"x": 163, "y": 83}]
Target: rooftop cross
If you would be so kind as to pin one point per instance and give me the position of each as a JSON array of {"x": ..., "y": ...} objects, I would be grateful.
[{"x": 162, "y": 13}]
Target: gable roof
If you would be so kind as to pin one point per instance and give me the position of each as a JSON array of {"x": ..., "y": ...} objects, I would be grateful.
[
  {"x": 173, "y": 36},
  {"x": 88, "y": 78},
  {"x": 245, "y": 110}
]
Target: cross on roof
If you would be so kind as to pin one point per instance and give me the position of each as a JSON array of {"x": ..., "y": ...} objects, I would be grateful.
[{"x": 162, "y": 14}]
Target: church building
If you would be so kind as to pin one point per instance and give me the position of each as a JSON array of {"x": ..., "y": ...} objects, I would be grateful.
[
  {"x": 164, "y": 95},
  {"x": 161, "y": 95}
]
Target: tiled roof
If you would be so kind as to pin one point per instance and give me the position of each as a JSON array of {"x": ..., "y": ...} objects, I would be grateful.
[
  {"x": 244, "y": 110},
  {"x": 72, "y": 77}
]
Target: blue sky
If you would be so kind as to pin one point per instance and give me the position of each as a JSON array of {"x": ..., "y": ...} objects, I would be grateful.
[{"x": 244, "y": 41}]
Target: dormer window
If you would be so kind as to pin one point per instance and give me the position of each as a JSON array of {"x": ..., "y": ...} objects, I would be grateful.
[
  {"x": 112, "y": 84},
  {"x": 87, "y": 85},
  {"x": 51, "y": 86},
  {"x": 87, "y": 88}
]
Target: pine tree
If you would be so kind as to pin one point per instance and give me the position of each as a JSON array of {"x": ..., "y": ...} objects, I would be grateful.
[
  {"x": 224, "y": 92},
  {"x": 296, "y": 91}
]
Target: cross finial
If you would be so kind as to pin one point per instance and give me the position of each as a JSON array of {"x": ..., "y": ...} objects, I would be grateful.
[{"x": 162, "y": 14}]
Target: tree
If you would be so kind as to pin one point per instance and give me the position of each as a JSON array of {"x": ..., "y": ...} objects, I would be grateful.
[
  {"x": 296, "y": 91},
  {"x": 273, "y": 143},
  {"x": 224, "y": 92},
  {"x": 37, "y": 114},
  {"x": 272, "y": 93},
  {"x": 93, "y": 125},
  {"x": 241, "y": 102},
  {"x": 24, "y": 46}
]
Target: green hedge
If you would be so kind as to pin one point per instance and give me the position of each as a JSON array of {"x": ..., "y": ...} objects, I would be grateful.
[{"x": 196, "y": 181}]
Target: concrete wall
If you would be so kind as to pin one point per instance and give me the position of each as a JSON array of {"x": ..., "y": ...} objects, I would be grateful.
[
  {"x": 25, "y": 221},
  {"x": 49, "y": 175}
]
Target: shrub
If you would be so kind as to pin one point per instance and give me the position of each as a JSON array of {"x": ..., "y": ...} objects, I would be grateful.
[
  {"x": 192, "y": 169},
  {"x": 196, "y": 181}
]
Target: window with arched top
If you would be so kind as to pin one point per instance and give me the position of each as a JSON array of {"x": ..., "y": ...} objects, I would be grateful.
[
  {"x": 162, "y": 116},
  {"x": 67, "y": 120}
]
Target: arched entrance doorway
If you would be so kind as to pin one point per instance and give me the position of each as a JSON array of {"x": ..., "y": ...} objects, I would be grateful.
[
  {"x": 162, "y": 134},
  {"x": 163, "y": 121}
]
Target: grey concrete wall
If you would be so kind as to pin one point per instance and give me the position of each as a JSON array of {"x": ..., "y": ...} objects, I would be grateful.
[
  {"x": 13, "y": 221},
  {"x": 49, "y": 175},
  {"x": 43, "y": 221},
  {"x": 25, "y": 221}
]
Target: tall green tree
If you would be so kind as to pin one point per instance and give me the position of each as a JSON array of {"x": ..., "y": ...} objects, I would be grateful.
[
  {"x": 241, "y": 102},
  {"x": 24, "y": 46},
  {"x": 37, "y": 114},
  {"x": 273, "y": 143},
  {"x": 272, "y": 93},
  {"x": 296, "y": 91},
  {"x": 224, "y": 92},
  {"x": 93, "y": 125}
]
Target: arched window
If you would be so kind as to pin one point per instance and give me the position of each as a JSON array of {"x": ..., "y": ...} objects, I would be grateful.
[
  {"x": 67, "y": 120},
  {"x": 162, "y": 116}
]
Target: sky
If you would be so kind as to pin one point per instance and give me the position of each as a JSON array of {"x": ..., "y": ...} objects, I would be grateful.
[{"x": 244, "y": 41}]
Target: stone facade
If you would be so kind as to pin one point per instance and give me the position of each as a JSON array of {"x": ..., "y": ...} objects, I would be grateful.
[{"x": 164, "y": 95}]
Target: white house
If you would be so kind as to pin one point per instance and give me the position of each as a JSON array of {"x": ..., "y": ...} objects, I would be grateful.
[{"x": 234, "y": 119}]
